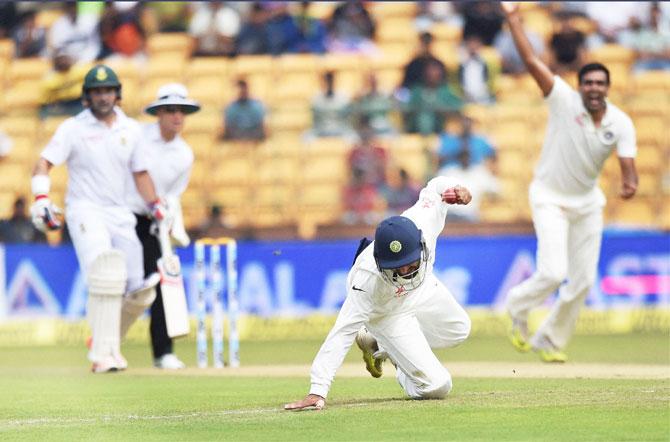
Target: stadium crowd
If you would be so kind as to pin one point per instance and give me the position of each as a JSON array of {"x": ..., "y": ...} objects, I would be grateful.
[{"x": 431, "y": 99}]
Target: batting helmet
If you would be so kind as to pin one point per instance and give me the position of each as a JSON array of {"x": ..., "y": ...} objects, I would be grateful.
[
  {"x": 101, "y": 76},
  {"x": 398, "y": 243}
]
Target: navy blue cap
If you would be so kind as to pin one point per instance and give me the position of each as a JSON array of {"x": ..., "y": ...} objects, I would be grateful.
[{"x": 397, "y": 243}]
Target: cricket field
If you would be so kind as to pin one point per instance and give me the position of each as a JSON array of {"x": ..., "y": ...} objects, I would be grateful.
[{"x": 614, "y": 388}]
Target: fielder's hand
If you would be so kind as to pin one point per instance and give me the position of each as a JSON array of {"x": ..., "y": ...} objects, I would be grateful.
[
  {"x": 311, "y": 402},
  {"x": 45, "y": 215},
  {"x": 457, "y": 195},
  {"x": 627, "y": 190},
  {"x": 509, "y": 8}
]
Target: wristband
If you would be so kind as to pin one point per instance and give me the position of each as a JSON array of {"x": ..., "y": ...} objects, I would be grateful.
[{"x": 40, "y": 185}]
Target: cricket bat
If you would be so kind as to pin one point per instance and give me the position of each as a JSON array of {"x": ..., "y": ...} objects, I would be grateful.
[{"x": 172, "y": 287}]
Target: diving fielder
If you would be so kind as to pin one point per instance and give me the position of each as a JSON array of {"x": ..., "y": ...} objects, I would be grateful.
[
  {"x": 396, "y": 308},
  {"x": 170, "y": 161},
  {"x": 101, "y": 147},
  {"x": 583, "y": 129}
]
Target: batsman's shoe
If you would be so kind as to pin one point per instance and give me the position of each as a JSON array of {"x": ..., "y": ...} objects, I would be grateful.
[
  {"x": 368, "y": 345},
  {"x": 518, "y": 336},
  {"x": 547, "y": 351},
  {"x": 107, "y": 364},
  {"x": 169, "y": 361}
]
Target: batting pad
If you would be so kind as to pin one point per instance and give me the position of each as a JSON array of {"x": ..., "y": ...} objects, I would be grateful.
[
  {"x": 135, "y": 303},
  {"x": 106, "y": 284}
]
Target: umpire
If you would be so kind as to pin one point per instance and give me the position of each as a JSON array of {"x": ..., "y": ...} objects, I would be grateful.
[{"x": 170, "y": 160}]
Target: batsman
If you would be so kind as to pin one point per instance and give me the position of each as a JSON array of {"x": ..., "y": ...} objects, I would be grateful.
[
  {"x": 102, "y": 148},
  {"x": 396, "y": 308}
]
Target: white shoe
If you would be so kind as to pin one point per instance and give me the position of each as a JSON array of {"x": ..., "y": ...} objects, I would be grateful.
[
  {"x": 121, "y": 362},
  {"x": 106, "y": 365},
  {"x": 169, "y": 361}
]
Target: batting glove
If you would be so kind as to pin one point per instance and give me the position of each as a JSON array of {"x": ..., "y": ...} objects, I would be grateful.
[{"x": 45, "y": 215}]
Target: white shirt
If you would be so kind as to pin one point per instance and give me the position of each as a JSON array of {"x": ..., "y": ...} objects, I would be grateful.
[
  {"x": 574, "y": 150},
  {"x": 99, "y": 158},
  {"x": 169, "y": 163},
  {"x": 79, "y": 39},
  {"x": 373, "y": 298}
]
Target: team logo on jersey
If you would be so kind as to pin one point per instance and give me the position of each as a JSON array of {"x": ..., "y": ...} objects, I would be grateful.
[
  {"x": 101, "y": 74},
  {"x": 395, "y": 246},
  {"x": 607, "y": 137},
  {"x": 123, "y": 141}
]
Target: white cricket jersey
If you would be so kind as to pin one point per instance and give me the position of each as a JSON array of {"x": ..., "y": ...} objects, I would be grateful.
[
  {"x": 169, "y": 164},
  {"x": 99, "y": 158},
  {"x": 574, "y": 150},
  {"x": 369, "y": 297}
]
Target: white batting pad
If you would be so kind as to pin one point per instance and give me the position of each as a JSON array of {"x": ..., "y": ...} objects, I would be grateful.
[
  {"x": 135, "y": 303},
  {"x": 106, "y": 284}
]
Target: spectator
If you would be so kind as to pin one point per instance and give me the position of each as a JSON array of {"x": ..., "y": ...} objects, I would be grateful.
[
  {"x": 19, "y": 227},
  {"x": 244, "y": 117},
  {"x": 481, "y": 18},
  {"x": 475, "y": 77},
  {"x": 61, "y": 88},
  {"x": 400, "y": 192},
  {"x": 29, "y": 38},
  {"x": 75, "y": 34},
  {"x": 650, "y": 42},
  {"x": 614, "y": 17},
  {"x": 121, "y": 31},
  {"x": 8, "y": 19},
  {"x": 374, "y": 106},
  {"x": 351, "y": 28},
  {"x": 430, "y": 12},
  {"x": 451, "y": 146},
  {"x": 511, "y": 60},
  {"x": 254, "y": 37},
  {"x": 482, "y": 182},
  {"x": 214, "y": 27},
  {"x": 415, "y": 69},
  {"x": 171, "y": 16},
  {"x": 361, "y": 200},
  {"x": 311, "y": 36},
  {"x": 430, "y": 104},
  {"x": 330, "y": 111},
  {"x": 6, "y": 144},
  {"x": 282, "y": 28},
  {"x": 567, "y": 48},
  {"x": 368, "y": 157}
]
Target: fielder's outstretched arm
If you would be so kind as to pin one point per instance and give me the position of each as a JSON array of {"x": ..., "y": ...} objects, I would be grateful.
[{"x": 537, "y": 68}]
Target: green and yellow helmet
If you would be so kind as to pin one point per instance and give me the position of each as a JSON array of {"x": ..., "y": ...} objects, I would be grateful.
[{"x": 101, "y": 76}]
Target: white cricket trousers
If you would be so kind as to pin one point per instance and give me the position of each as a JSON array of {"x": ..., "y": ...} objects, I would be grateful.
[
  {"x": 568, "y": 246},
  {"x": 94, "y": 230},
  {"x": 436, "y": 321}
]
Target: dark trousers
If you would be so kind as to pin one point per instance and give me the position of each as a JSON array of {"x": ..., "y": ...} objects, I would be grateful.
[{"x": 161, "y": 343}]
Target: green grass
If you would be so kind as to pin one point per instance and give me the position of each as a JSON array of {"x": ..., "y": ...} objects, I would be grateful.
[{"x": 46, "y": 393}]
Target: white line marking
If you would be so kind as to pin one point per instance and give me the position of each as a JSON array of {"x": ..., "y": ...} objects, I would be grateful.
[{"x": 121, "y": 418}]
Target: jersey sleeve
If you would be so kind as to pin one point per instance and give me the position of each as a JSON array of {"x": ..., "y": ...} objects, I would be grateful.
[
  {"x": 560, "y": 97},
  {"x": 429, "y": 212},
  {"x": 59, "y": 148},
  {"x": 139, "y": 159},
  {"x": 353, "y": 314},
  {"x": 627, "y": 144}
]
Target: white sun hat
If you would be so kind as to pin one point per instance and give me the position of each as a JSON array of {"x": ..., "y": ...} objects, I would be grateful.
[{"x": 173, "y": 94}]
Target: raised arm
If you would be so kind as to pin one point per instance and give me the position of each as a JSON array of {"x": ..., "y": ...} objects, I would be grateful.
[{"x": 537, "y": 68}]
